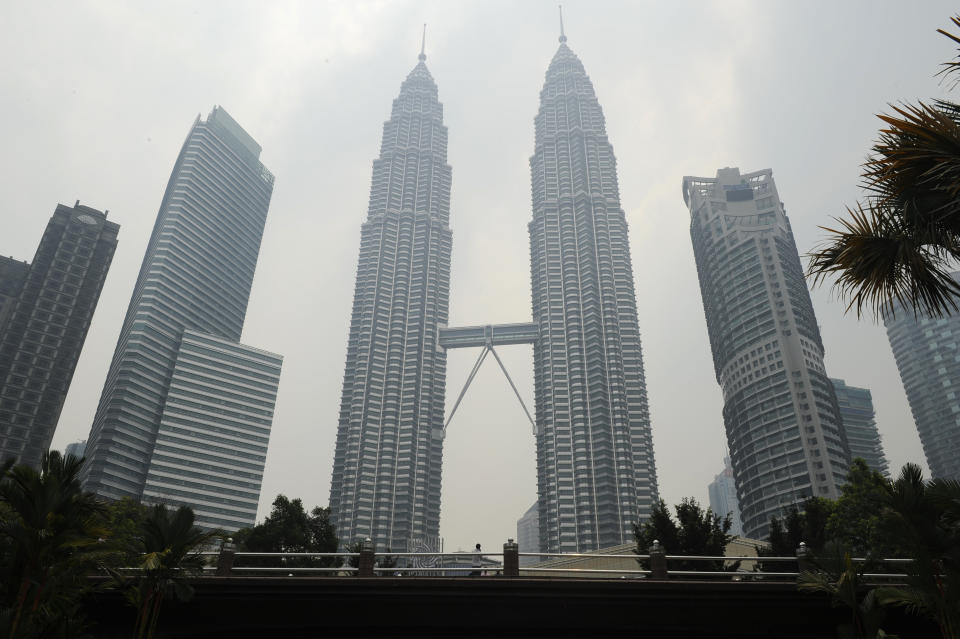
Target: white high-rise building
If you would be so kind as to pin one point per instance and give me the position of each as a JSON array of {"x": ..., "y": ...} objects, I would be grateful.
[
  {"x": 595, "y": 464},
  {"x": 784, "y": 432},
  {"x": 185, "y": 407},
  {"x": 386, "y": 466}
]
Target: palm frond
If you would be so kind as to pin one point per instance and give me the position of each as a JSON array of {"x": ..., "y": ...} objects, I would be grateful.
[
  {"x": 949, "y": 68},
  {"x": 878, "y": 266}
]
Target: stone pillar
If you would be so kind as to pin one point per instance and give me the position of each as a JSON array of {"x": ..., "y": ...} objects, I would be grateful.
[
  {"x": 511, "y": 559},
  {"x": 367, "y": 559},
  {"x": 804, "y": 558},
  {"x": 228, "y": 552},
  {"x": 658, "y": 560}
]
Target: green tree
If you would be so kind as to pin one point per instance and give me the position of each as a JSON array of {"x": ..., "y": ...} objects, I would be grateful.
[
  {"x": 694, "y": 532},
  {"x": 807, "y": 525},
  {"x": 899, "y": 243},
  {"x": 855, "y": 519},
  {"x": 170, "y": 547},
  {"x": 843, "y": 579},
  {"x": 924, "y": 518},
  {"x": 288, "y": 528},
  {"x": 50, "y": 542}
]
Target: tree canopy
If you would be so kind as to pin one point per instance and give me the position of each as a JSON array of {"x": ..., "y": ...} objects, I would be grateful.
[
  {"x": 694, "y": 532},
  {"x": 288, "y": 528}
]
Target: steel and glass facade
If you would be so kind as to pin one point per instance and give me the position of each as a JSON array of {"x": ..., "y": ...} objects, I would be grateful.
[
  {"x": 45, "y": 311},
  {"x": 595, "y": 465},
  {"x": 196, "y": 276},
  {"x": 211, "y": 446},
  {"x": 783, "y": 426},
  {"x": 860, "y": 425},
  {"x": 929, "y": 363},
  {"x": 386, "y": 467}
]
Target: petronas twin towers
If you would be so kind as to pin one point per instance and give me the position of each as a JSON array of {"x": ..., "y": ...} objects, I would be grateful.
[{"x": 595, "y": 464}]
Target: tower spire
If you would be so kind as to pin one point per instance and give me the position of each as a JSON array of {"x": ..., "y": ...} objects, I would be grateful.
[
  {"x": 423, "y": 44},
  {"x": 563, "y": 38}
]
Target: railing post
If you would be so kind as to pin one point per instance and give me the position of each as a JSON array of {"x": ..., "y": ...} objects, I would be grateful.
[
  {"x": 511, "y": 559},
  {"x": 804, "y": 555},
  {"x": 367, "y": 559},
  {"x": 658, "y": 560},
  {"x": 228, "y": 551}
]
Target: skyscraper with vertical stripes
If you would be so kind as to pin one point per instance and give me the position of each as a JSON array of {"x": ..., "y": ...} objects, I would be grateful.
[
  {"x": 186, "y": 410},
  {"x": 595, "y": 464},
  {"x": 386, "y": 468}
]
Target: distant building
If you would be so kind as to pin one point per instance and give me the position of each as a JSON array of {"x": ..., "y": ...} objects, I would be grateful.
[
  {"x": 186, "y": 410},
  {"x": 76, "y": 448},
  {"x": 929, "y": 362},
  {"x": 45, "y": 310},
  {"x": 780, "y": 411},
  {"x": 723, "y": 498},
  {"x": 528, "y": 534},
  {"x": 856, "y": 410}
]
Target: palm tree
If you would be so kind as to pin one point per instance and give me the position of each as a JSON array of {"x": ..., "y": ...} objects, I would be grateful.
[
  {"x": 49, "y": 540},
  {"x": 925, "y": 517},
  {"x": 899, "y": 245},
  {"x": 171, "y": 547}
]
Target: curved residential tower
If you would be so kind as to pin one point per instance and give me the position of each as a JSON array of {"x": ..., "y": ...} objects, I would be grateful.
[
  {"x": 386, "y": 468},
  {"x": 780, "y": 410},
  {"x": 595, "y": 465}
]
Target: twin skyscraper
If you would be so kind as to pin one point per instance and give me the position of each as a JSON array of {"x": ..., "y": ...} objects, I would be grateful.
[
  {"x": 186, "y": 410},
  {"x": 595, "y": 465}
]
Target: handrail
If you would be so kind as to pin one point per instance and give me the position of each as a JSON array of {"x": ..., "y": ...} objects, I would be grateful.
[{"x": 655, "y": 564}]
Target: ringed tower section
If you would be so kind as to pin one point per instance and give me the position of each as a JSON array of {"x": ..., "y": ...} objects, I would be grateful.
[
  {"x": 386, "y": 470},
  {"x": 595, "y": 464}
]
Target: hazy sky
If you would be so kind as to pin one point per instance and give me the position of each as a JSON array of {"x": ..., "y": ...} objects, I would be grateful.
[{"x": 96, "y": 99}]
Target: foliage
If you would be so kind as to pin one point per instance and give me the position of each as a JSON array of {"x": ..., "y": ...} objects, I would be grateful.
[
  {"x": 49, "y": 542},
  {"x": 288, "y": 528},
  {"x": 855, "y": 518},
  {"x": 842, "y": 579},
  {"x": 807, "y": 524},
  {"x": 695, "y": 532},
  {"x": 122, "y": 521},
  {"x": 924, "y": 517},
  {"x": 899, "y": 243},
  {"x": 170, "y": 547}
]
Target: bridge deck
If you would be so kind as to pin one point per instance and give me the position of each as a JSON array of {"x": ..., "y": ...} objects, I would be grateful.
[{"x": 493, "y": 334}]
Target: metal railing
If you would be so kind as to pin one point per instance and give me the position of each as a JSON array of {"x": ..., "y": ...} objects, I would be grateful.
[{"x": 656, "y": 564}]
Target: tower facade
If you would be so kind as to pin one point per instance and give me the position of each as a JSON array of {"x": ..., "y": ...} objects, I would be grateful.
[
  {"x": 929, "y": 362},
  {"x": 386, "y": 468},
  {"x": 783, "y": 426},
  {"x": 45, "y": 311},
  {"x": 860, "y": 425},
  {"x": 723, "y": 498},
  {"x": 195, "y": 280},
  {"x": 595, "y": 465}
]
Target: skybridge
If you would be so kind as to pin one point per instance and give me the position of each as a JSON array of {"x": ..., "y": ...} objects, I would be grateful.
[{"x": 486, "y": 337}]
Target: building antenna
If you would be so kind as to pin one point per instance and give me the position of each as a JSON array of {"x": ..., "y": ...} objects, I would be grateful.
[
  {"x": 423, "y": 44},
  {"x": 563, "y": 38}
]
